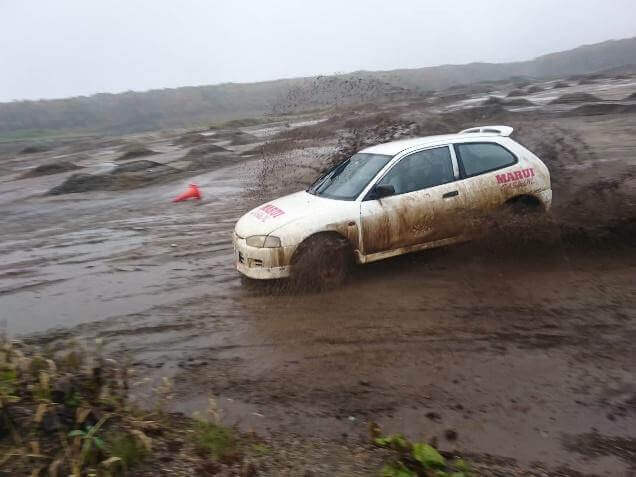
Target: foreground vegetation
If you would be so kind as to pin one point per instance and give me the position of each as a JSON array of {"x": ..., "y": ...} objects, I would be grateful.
[{"x": 68, "y": 411}]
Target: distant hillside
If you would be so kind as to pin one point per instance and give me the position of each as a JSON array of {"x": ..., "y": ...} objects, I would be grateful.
[
  {"x": 582, "y": 60},
  {"x": 137, "y": 111}
]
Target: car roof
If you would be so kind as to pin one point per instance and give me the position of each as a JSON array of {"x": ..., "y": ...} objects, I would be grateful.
[{"x": 395, "y": 147}]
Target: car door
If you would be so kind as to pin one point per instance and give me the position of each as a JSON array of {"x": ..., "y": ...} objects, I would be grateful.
[{"x": 426, "y": 204}]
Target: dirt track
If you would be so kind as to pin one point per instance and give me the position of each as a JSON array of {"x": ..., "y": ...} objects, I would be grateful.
[{"x": 527, "y": 354}]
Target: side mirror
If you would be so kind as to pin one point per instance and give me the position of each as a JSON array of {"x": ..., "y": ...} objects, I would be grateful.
[{"x": 381, "y": 191}]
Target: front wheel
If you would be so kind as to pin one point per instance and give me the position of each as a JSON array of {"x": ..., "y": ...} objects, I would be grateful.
[{"x": 322, "y": 262}]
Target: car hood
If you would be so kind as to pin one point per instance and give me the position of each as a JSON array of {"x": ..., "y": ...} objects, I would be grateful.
[{"x": 266, "y": 218}]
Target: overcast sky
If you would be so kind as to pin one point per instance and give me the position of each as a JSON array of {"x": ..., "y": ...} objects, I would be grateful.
[{"x": 59, "y": 48}]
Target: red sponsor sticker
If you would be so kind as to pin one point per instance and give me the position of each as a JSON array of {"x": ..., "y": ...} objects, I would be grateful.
[
  {"x": 267, "y": 211},
  {"x": 515, "y": 176}
]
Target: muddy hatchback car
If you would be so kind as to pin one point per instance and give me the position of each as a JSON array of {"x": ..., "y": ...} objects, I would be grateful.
[{"x": 388, "y": 200}]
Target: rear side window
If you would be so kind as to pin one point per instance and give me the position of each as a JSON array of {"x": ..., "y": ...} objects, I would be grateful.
[{"x": 478, "y": 158}]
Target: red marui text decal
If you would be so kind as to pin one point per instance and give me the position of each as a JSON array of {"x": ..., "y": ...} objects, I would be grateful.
[
  {"x": 272, "y": 210},
  {"x": 267, "y": 211},
  {"x": 515, "y": 176}
]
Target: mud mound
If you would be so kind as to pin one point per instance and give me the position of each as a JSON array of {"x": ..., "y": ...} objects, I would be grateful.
[
  {"x": 494, "y": 100},
  {"x": 241, "y": 123},
  {"x": 243, "y": 138},
  {"x": 126, "y": 176},
  {"x": 560, "y": 84},
  {"x": 34, "y": 149},
  {"x": 572, "y": 98},
  {"x": 602, "y": 108},
  {"x": 518, "y": 102},
  {"x": 631, "y": 97},
  {"x": 516, "y": 92},
  {"x": 52, "y": 168},
  {"x": 137, "y": 166},
  {"x": 585, "y": 81},
  {"x": 191, "y": 139},
  {"x": 83, "y": 183},
  {"x": 236, "y": 138},
  {"x": 214, "y": 161},
  {"x": 200, "y": 151},
  {"x": 534, "y": 89},
  {"x": 449, "y": 98},
  {"x": 134, "y": 150}
]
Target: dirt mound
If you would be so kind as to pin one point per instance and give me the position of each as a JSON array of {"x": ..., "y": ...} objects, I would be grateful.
[
  {"x": 518, "y": 102},
  {"x": 210, "y": 162},
  {"x": 132, "y": 151},
  {"x": 242, "y": 138},
  {"x": 83, "y": 183},
  {"x": 137, "y": 166},
  {"x": 191, "y": 139},
  {"x": 602, "y": 108},
  {"x": 494, "y": 100},
  {"x": 203, "y": 150},
  {"x": 450, "y": 98},
  {"x": 33, "y": 149},
  {"x": 631, "y": 97},
  {"x": 516, "y": 92},
  {"x": 576, "y": 98},
  {"x": 126, "y": 176},
  {"x": 585, "y": 81},
  {"x": 50, "y": 169},
  {"x": 534, "y": 89},
  {"x": 236, "y": 138},
  {"x": 560, "y": 84}
]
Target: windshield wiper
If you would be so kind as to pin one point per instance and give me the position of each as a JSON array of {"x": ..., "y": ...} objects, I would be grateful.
[{"x": 330, "y": 175}]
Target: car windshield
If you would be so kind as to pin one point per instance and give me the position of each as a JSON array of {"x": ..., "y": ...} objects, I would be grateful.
[{"x": 347, "y": 180}]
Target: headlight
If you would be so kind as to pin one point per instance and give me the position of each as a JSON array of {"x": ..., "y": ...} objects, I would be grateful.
[{"x": 263, "y": 241}]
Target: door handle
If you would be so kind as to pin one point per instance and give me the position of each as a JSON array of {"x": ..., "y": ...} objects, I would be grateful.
[{"x": 450, "y": 194}]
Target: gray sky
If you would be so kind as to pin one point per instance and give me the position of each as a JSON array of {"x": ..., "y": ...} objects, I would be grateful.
[{"x": 59, "y": 48}]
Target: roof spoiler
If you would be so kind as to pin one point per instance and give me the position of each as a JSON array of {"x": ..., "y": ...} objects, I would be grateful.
[{"x": 500, "y": 130}]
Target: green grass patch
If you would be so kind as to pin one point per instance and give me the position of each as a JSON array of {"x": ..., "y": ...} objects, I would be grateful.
[
  {"x": 127, "y": 448},
  {"x": 214, "y": 440}
]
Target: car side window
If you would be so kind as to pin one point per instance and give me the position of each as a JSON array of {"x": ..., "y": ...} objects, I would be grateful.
[
  {"x": 479, "y": 158},
  {"x": 420, "y": 170}
]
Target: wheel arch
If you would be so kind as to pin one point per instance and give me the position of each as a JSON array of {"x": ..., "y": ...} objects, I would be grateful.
[
  {"x": 526, "y": 200},
  {"x": 317, "y": 236}
]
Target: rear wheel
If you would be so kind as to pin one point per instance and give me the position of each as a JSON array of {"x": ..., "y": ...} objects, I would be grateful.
[
  {"x": 521, "y": 222},
  {"x": 322, "y": 262}
]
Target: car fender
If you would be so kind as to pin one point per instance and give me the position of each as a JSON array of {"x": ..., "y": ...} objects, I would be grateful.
[{"x": 343, "y": 220}]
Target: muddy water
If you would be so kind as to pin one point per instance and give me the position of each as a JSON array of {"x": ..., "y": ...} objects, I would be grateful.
[
  {"x": 516, "y": 351},
  {"x": 76, "y": 259}
]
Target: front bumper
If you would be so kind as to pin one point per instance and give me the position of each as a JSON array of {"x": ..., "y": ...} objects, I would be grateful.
[{"x": 261, "y": 263}]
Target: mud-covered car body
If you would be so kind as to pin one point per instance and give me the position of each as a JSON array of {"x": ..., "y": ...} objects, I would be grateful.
[{"x": 420, "y": 193}]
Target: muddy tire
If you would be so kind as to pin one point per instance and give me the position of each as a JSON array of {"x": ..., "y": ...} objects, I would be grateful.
[
  {"x": 321, "y": 262},
  {"x": 524, "y": 207},
  {"x": 519, "y": 226}
]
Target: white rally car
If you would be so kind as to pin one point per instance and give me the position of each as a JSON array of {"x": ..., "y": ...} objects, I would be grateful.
[{"x": 388, "y": 200}]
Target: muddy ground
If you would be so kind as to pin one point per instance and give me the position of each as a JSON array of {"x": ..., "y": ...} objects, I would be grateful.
[{"x": 518, "y": 356}]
